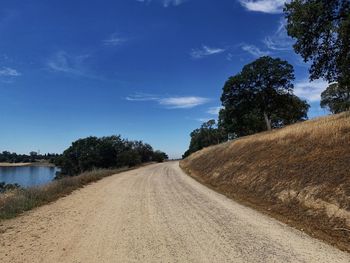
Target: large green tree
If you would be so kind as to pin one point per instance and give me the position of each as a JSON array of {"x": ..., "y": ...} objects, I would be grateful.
[
  {"x": 322, "y": 32},
  {"x": 336, "y": 98},
  {"x": 260, "y": 98}
]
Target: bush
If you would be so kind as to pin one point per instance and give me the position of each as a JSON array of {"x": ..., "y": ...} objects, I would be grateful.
[{"x": 8, "y": 187}]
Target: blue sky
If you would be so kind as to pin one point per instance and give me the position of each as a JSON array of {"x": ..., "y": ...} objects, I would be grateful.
[{"x": 150, "y": 70}]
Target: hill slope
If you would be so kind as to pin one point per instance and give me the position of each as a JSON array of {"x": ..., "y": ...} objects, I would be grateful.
[{"x": 300, "y": 174}]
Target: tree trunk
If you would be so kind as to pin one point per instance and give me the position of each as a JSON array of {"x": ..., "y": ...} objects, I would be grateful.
[{"x": 268, "y": 122}]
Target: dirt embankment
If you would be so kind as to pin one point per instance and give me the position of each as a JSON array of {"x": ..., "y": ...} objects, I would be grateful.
[{"x": 299, "y": 174}]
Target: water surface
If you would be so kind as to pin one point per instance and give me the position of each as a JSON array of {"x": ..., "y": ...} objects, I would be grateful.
[{"x": 27, "y": 175}]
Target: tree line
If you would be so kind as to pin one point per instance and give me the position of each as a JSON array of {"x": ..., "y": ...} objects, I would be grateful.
[
  {"x": 106, "y": 152},
  {"x": 12, "y": 157},
  {"x": 261, "y": 97}
]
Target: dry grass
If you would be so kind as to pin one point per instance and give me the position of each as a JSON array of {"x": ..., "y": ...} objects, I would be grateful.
[
  {"x": 300, "y": 174},
  {"x": 17, "y": 201}
]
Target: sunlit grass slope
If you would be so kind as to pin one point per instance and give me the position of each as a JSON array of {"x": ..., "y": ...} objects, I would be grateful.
[{"x": 300, "y": 173}]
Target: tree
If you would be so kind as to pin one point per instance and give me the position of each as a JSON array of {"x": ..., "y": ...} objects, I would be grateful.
[
  {"x": 159, "y": 156},
  {"x": 109, "y": 149},
  {"x": 129, "y": 158},
  {"x": 105, "y": 152},
  {"x": 336, "y": 98},
  {"x": 208, "y": 134},
  {"x": 294, "y": 110},
  {"x": 322, "y": 32},
  {"x": 144, "y": 150},
  {"x": 260, "y": 98},
  {"x": 83, "y": 155}
]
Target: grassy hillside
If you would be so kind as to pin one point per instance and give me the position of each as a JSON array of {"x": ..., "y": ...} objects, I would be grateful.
[{"x": 300, "y": 174}]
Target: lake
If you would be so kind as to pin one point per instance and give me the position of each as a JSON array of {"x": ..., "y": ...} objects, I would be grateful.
[{"x": 28, "y": 175}]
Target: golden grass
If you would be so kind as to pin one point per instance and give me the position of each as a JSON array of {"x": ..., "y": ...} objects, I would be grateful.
[{"x": 301, "y": 172}]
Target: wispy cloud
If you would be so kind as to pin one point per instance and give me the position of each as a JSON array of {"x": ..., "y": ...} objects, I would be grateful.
[
  {"x": 165, "y": 3},
  {"x": 255, "y": 51},
  {"x": 214, "y": 110},
  {"x": 205, "y": 51},
  {"x": 142, "y": 97},
  {"x": 175, "y": 102},
  {"x": 114, "y": 40},
  {"x": 279, "y": 40},
  {"x": 229, "y": 57},
  {"x": 265, "y": 6},
  {"x": 9, "y": 72},
  {"x": 310, "y": 90},
  {"x": 183, "y": 102},
  {"x": 64, "y": 62}
]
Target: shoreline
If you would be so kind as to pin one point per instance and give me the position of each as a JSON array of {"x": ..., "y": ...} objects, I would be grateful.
[{"x": 46, "y": 164}]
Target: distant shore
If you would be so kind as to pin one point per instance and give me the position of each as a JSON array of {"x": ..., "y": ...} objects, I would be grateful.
[{"x": 26, "y": 164}]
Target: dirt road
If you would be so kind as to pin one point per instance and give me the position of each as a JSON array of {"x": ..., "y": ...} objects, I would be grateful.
[{"x": 154, "y": 214}]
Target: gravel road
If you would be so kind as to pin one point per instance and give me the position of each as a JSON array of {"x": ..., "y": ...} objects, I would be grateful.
[{"x": 154, "y": 214}]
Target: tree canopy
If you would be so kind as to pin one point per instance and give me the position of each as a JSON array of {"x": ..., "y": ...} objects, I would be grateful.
[
  {"x": 106, "y": 152},
  {"x": 12, "y": 157},
  {"x": 159, "y": 156},
  {"x": 260, "y": 98},
  {"x": 322, "y": 32},
  {"x": 336, "y": 98}
]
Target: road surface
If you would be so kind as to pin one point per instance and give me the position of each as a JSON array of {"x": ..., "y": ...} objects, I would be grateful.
[{"x": 154, "y": 214}]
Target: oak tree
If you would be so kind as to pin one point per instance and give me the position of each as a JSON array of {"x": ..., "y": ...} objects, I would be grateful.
[{"x": 260, "y": 98}]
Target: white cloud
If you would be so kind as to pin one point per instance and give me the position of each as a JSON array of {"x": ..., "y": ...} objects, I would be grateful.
[
  {"x": 142, "y": 97},
  {"x": 214, "y": 110},
  {"x": 229, "y": 56},
  {"x": 310, "y": 90},
  {"x": 183, "y": 102},
  {"x": 60, "y": 62},
  {"x": 9, "y": 72},
  {"x": 165, "y": 3},
  {"x": 205, "y": 51},
  {"x": 279, "y": 40},
  {"x": 63, "y": 62},
  {"x": 255, "y": 51},
  {"x": 114, "y": 40},
  {"x": 170, "y": 102},
  {"x": 265, "y": 6}
]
